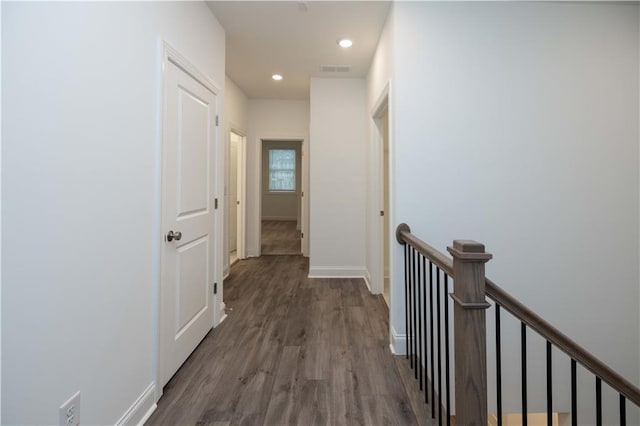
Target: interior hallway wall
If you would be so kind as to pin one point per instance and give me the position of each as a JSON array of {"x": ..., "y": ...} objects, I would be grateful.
[
  {"x": 520, "y": 120},
  {"x": 338, "y": 177},
  {"x": 81, "y": 108},
  {"x": 271, "y": 119}
]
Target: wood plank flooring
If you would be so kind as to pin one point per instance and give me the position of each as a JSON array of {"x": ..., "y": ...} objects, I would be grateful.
[
  {"x": 294, "y": 351},
  {"x": 280, "y": 237}
]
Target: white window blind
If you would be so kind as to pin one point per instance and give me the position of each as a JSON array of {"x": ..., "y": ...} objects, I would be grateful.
[{"x": 282, "y": 170}]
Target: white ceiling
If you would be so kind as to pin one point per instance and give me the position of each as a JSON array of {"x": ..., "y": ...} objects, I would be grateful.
[{"x": 294, "y": 39}]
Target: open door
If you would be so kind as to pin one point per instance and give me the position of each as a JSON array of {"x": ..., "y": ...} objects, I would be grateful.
[{"x": 188, "y": 214}]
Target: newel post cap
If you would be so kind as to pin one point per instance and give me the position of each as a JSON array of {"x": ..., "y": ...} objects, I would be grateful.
[{"x": 469, "y": 251}]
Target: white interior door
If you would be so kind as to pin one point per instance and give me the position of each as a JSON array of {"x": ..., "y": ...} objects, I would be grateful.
[{"x": 187, "y": 218}]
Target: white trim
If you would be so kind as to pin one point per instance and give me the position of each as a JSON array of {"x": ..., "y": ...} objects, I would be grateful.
[
  {"x": 367, "y": 280},
  {"x": 170, "y": 54},
  {"x": 141, "y": 409},
  {"x": 222, "y": 309},
  {"x": 383, "y": 98},
  {"x": 282, "y": 218},
  {"x": 381, "y": 105},
  {"x": 398, "y": 342},
  {"x": 337, "y": 272},
  {"x": 241, "y": 238}
]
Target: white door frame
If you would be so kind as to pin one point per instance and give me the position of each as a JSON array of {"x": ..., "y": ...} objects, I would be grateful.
[
  {"x": 170, "y": 54},
  {"x": 242, "y": 194},
  {"x": 242, "y": 190},
  {"x": 304, "y": 204},
  {"x": 377, "y": 146}
]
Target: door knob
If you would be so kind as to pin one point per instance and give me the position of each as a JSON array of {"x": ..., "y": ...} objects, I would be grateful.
[{"x": 174, "y": 236}]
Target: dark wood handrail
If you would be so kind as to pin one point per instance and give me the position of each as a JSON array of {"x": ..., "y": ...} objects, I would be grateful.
[
  {"x": 563, "y": 342},
  {"x": 530, "y": 318},
  {"x": 404, "y": 235}
]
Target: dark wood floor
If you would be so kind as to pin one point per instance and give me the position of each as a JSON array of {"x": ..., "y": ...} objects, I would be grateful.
[
  {"x": 294, "y": 351},
  {"x": 280, "y": 237}
]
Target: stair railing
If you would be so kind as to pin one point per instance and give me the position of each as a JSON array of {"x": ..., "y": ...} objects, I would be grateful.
[{"x": 428, "y": 272}]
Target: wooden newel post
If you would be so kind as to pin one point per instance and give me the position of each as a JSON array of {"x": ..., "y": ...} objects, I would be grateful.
[{"x": 470, "y": 338}]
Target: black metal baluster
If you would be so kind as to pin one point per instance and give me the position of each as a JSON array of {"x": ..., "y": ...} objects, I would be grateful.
[
  {"x": 409, "y": 335},
  {"x": 623, "y": 411},
  {"x": 439, "y": 347},
  {"x": 523, "y": 334},
  {"x": 424, "y": 314},
  {"x": 574, "y": 398},
  {"x": 498, "y": 368},
  {"x": 549, "y": 386},
  {"x": 433, "y": 379},
  {"x": 406, "y": 295},
  {"x": 415, "y": 308},
  {"x": 598, "y": 401},
  {"x": 420, "y": 307},
  {"x": 446, "y": 346}
]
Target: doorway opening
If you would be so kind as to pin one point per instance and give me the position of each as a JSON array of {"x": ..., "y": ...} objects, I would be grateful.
[
  {"x": 382, "y": 195},
  {"x": 281, "y": 198},
  {"x": 385, "y": 206},
  {"x": 236, "y": 197}
]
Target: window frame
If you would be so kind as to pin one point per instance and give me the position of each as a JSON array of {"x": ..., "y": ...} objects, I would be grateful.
[{"x": 294, "y": 170}]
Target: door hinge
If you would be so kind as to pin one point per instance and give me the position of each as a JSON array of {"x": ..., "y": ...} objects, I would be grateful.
[
  {"x": 215, "y": 204},
  {"x": 302, "y": 235},
  {"x": 381, "y": 212},
  {"x": 215, "y": 288},
  {"x": 302, "y": 194},
  {"x": 217, "y": 121}
]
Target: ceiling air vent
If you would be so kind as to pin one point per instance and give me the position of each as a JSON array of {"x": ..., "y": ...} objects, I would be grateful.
[{"x": 335, "y": 68}]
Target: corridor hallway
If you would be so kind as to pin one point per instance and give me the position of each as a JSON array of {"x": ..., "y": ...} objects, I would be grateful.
[
  {"x": 294, "y": 351},
  {"x": 280, "y": 237}
]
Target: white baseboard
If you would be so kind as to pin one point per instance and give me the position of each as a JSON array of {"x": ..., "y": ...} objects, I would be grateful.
[
  {"x": 222, "y": 318},
  {"x": 398, "y": 343},
  {"x": 223, "y": 313},
  {"x": 367, "y": 280},
  {"x": 141, "y": 410},
  {"x": 285, "y": 218},
  {"x": 336, "y": 272}
]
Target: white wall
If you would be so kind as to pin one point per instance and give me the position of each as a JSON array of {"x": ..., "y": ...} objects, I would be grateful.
[
  {"x": 0, "y": 225},
  {"x": 275, "y": 120},
  {"x": 81, "y": 150},
  {"x": 338, "y": 177},
  {"x": 516, "y": 124},
  {"x": 281, "y": 205},
  {"x": 236, "y": 111}
]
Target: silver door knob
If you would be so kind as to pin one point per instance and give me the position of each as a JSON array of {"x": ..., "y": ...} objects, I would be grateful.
[{"x": 174, "y": 236}]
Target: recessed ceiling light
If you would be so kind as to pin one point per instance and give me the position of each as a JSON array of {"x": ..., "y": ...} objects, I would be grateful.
[
  {"x": 345, "y": 43},
  {"x": 276, "y": 77}
]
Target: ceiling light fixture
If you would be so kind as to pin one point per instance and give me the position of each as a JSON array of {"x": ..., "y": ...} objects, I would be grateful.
[
  {"x": 345, "y": 43},
  {"x": 276, "y": 77}
]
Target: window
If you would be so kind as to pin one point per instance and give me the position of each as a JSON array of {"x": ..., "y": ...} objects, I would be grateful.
[{"x": 282, "y": 170}]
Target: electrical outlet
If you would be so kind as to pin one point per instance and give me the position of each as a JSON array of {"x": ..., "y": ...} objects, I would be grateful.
[{"x": 69, "y": 412}]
